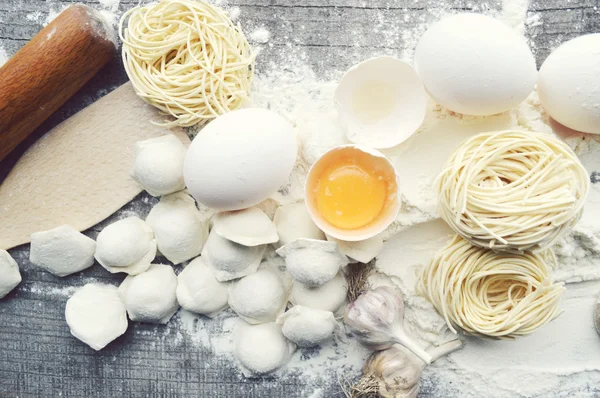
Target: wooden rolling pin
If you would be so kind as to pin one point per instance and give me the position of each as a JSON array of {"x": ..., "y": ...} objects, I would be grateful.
[{"x": 49, "y": 69}]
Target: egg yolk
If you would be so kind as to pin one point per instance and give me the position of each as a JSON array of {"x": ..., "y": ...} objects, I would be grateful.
[{"x": 350, "y": 196}]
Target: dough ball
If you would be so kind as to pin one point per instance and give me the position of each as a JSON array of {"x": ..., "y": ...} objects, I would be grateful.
[
  {"x": 293, "y": 222},
  {"x": 96, "y": 315},
  {"x": 261, "y": 349},
  {"x": 158, "y": 165},
  {"x": 258, "y": 298},
  {"x": 178, "y": 226},
  {"x": 62, "y": 250},
  {"x": 231, "y": 260},
  {"x": 151, "y": 296},
  {"x": 248, "y": 227},
  {"x": 307, "y": 327},
  {"x": 10, "y": 276},
  {"x": 127, "y": 245},
  {"x": 330, "y": 296},
  {"x": 361, "y": 251},
  {"x": 312, "y": 262},
  {"x": 199, "y": 291}
]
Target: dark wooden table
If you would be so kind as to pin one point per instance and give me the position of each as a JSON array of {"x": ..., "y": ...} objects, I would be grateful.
[{"x": 39, "y": 357}]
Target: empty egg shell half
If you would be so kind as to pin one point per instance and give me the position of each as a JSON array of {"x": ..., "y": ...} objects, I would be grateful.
[
  {"x": 381, "y": 102},
  {"x": 352, "y": 193}
]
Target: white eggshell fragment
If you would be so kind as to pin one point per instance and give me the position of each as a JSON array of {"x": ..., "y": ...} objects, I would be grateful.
[
  {"x": 178, "y": 226},
  {"x": 261, "y": 349},
  {"x": 10, "y": 276},
  {"x": 330, "y": 296},
  {"x": 62, "y": 250},
  {"x": 248, "y": 227},
  {"x": 569, "y": 84},
  {"x": 312, "y": 262},
  {"x": 158, "y": 165},
  {"x": 293, "y": 222},
  {"x": 307, "y": 327},
  {"x": 381, "y": 102},
  {"x": 240, "y": 158},
  {"x": 127, "y": 245},
  {"x": 258, "y": 298},
  {"x": 151, "y": 295},
  {"x": 231, "y": 260},
  {"x": 96, "y": 315},
  {"x": 361, "y": 251},
  {"x": 199, "y": 291},
  {"x": 475, "y": 64}
]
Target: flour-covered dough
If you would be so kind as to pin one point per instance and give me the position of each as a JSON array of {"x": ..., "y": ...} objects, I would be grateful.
[
  {"x": 361, "y": 251},
  {"x": 179, "y": 228},
  {"x": 10, "y": 276},
  {"x": 127, "y": 245},
  {"x": 96, "y": 315},
  {"x": 158, "y": 165},
  {"x": 330, "y": 296},
  {"x": 293, "y": 222},
  {"x": 199, "y": 291},
  {"x": 62, "y": 250},
  {"x": 307, "y": 327},
  {"x": 248, "y": 227},
  {"x": 261, "y": 349},
  {"x": 151, "y": 296}
]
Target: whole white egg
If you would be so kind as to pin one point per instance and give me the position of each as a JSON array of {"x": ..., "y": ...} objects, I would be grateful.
[
  {"x": 569, "y": 84},
  {"x": 475, "y": 65},
  {"x": 240, "y": 158}
]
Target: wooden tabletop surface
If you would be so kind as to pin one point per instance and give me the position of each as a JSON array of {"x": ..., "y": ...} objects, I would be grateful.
[{"x": 39, "y": 357}]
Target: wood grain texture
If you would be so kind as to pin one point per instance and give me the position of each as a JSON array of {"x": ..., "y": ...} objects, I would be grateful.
[
  {"x": 39, "y": 358},
  {"x": 47, "y": 71}
]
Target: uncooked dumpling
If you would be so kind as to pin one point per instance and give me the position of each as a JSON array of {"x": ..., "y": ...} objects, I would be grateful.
[
  {"x": 307, "y": 327},
  {"x": 158, "y": 165},
  {"x": 330, "y": 296},
  {"x": 199, "y": 291},
  {"x": 179, "y": 228},
  {"x": 248, "y": 227},
  {"x": 293, "y": 222},
  {"x": 62, "y": 250},
  {"x": 96, "y": 315},
  {"x": 312, "y": 262},
  {"x": 261, "y": 349},
  {"x": 361, "y": 251},
  {"x": 126, "y": 245},
  {"x": 258, "y": 298},
  {"x": 151, "y": 295},
  {"x": 10, "y": 276},
  {"x": 231, "y": 260}
]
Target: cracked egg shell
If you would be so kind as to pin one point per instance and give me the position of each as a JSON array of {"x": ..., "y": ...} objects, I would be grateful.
[{"x": 381, "y": 102}]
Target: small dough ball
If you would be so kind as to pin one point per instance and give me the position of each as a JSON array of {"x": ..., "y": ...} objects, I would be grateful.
[
  {"x": 178, "y": 226},
  {"x": 361, "y": 251},
  {"x": 158, "y": 165},
  {"x": 96, "y": 315},
  {"x": 312, "y": 262},
  {"x": 10, "y": 276},
  {"x": 248, "y": 227},
  {"x": 231, "y": 260},
  {"x": 258, "y": 298},
  {"x": 293, "y": 222},
  {"x": 151, "y": 296},
  {"x": 127, "y": 245},
  {"x": 199, "y": 291},
  {"x": 330, "y": 296},
  {"x": 62, "y": 250},
  {"x": 261, "y": 349},
  {"x": 307, "y": 327}
]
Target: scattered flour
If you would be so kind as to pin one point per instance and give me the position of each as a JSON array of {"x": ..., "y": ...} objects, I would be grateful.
[
  {"x": 234, "y": 13},
  {"x": 260, "y": 35},
  {"x": 3, "y": 56}
]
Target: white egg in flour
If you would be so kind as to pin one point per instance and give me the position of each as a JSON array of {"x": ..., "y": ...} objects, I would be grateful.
[
  {"x": 569, "y": 84},
  {"x": 475, "y": 65},
  {"x": 240, "y": 158}
]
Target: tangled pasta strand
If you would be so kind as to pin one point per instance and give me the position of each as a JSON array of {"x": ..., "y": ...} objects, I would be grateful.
[
  {"x": 186, "y": 58},
  {"x": 512, "y": 190},
  {"x": 487, "y": 293}
]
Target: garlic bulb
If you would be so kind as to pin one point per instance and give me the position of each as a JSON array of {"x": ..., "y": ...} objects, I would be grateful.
[{"x": 376, "y": 319}]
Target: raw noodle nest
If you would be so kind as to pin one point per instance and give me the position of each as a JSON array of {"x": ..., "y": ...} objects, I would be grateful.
[
  {"x": 186, "y": 58},
  {"x": 487, "y": 293},
  {"x": 512, "y": 191}
]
